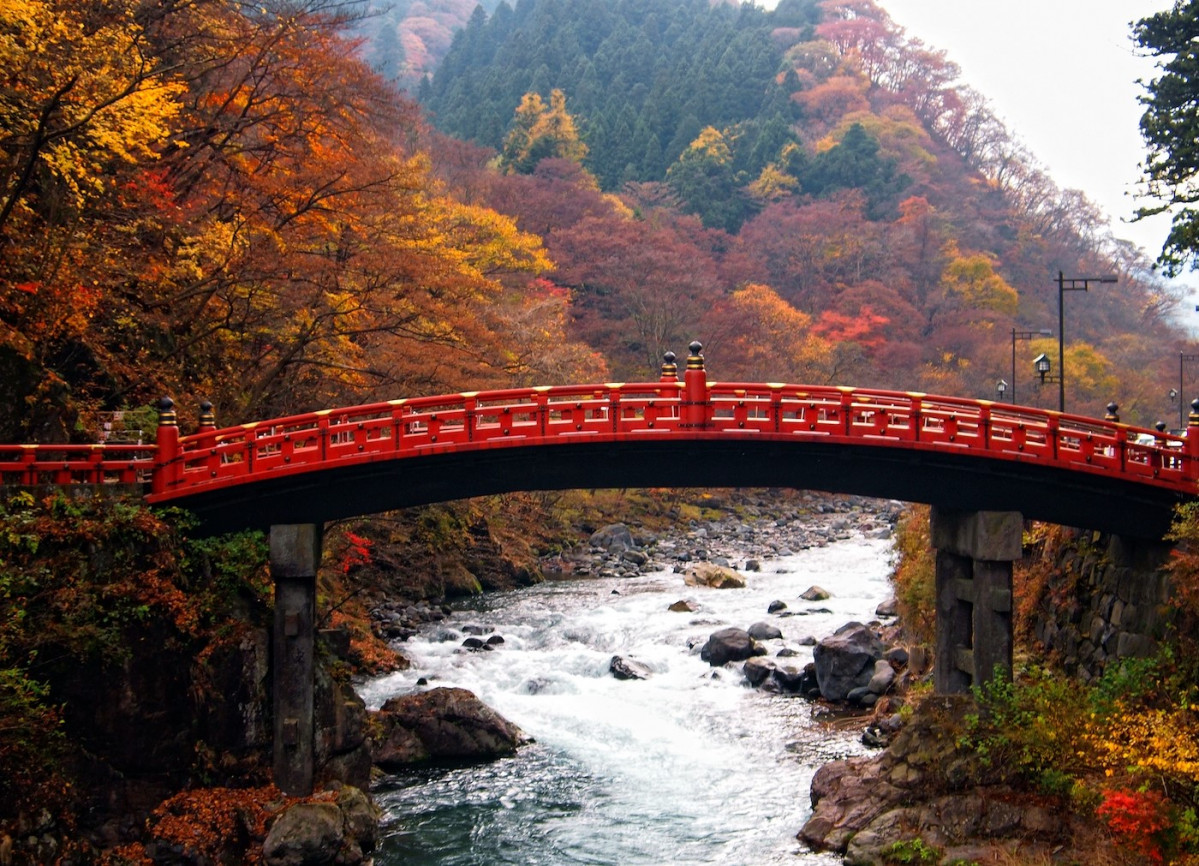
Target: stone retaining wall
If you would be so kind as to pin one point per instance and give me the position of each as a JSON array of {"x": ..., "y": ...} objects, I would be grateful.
[{"x": 1109, "y": 601}]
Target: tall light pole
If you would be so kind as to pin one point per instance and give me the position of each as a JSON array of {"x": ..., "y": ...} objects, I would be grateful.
[
  {"x": 1068, "y": 284},
  {"x": 1023, "y": 335},
  {"x": 1182, "y": 358}
]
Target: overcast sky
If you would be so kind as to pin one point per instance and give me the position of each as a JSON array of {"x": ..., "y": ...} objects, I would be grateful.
[{"x": 1062, "y": 76}]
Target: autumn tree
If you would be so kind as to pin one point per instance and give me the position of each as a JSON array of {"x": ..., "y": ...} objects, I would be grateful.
[
  {"x": 769, "y": 340},
  {"x": 85, "y": 106},
  {"x": 641, "y": 287},
  {"x": 704, "y": 180},
  {"x": 969, "y": 280},
  {"x": 540, "y": 132},
  {"x": 276, "y": 240}
]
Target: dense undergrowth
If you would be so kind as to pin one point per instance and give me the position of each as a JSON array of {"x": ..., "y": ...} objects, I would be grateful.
[
  {"x": 95, "y": 593},
  {"x": 1122, "y": 750}
]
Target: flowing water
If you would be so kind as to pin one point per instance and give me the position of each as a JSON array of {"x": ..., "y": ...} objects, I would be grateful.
[{"x": 689, "y": 766}]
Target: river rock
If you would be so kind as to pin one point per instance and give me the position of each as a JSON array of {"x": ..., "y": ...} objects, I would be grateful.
[
  {"x": 884, "y": 676},
  {"x": 814, "y": 593},
  {"x": 789, "y": 678},
  {"x": 716, "y": 576},
  {"x": 636, "y": 557},
  {"x": 683, "y": 606},
  {"x": 729, "y": 645},
  {"x": 614, "y": 538},
  {"x": 628, "y": 669},
  {"x": 776, "y": 606},
  {"x": 764, "y": 631},
  {"x": 442, "y": 724},
  {"x": 757, "y": 670},
  {"x": 890, "y": 607},
  {"x": 344, "y": 831},
  {"x": 845, "y": 660}
]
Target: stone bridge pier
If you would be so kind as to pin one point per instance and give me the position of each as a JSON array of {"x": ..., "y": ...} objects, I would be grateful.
[
  {"x": 974, "y": 555},
  {"x": 295, "y": 554}
]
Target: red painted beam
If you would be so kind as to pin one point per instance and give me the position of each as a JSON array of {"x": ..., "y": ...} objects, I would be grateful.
[{"x": 669, "y": 410}]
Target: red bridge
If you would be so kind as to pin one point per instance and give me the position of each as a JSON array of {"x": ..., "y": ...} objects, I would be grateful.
[
  {"x": 969, "y": 455},
  {"x": 984, "y": 465}
]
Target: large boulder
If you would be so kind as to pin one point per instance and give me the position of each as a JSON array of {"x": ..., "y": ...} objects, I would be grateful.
[
  {"x": 845, "y": 660},
  {"x": 307, "y": 832},
  {"x": 710, "y": 574},
  {"x": 442, "y": 724},
  {"x": 729, "y": 645},
  {"x": 614, "y": 538}
]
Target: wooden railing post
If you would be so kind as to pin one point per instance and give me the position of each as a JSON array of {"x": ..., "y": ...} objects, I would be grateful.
[
  {"x": 166, "y": 451},
  {"x": 206, "y": 437},
  {"x": 696, "y": 406},
  {"x": 670, "y": 370},
  {"x": 1192, "y": 434}
]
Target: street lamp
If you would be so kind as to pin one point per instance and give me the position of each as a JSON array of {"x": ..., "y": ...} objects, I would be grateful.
[
  {"x": 1068, "y": 284},
  {"x": 1001, "y": 389},
  {"x": 1023, "y": 335},
  {"x": 1042, "y": 365}
]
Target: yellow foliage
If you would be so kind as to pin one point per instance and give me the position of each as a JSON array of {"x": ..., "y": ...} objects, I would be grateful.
[
  {"x": 77, "y": 93},
  {"x": 539, "y": 132},
  {"x": 711, "y": 144},
  {"x": 772, "y": 183},
  {"x": 1160, "y": 743},
  {"x": 773, "y": 340},
  {"x": 972, "y": 279}
]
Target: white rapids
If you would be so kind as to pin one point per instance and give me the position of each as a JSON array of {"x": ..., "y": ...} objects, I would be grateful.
[{"x": 690, "y": 766}]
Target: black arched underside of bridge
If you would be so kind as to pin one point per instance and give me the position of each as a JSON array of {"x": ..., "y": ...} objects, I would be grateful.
[{"x": 963, "y": 482}]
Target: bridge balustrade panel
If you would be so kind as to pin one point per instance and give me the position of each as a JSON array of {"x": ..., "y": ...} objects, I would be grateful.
[
  {"x": 611, "y": 411},
  {"x": 62, "y": 465}
]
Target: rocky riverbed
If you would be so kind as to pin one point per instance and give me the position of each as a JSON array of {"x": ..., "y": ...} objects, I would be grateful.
[{"x": 922, "y": 783}]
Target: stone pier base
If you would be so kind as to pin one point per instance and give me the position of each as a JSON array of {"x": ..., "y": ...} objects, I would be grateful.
[
  {"x": 295, "y": 555},
  {"x": 975, "y": 552}
]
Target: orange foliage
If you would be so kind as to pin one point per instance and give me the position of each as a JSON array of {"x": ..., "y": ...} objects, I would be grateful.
[
  {"x": 209, "y": 823},
  {"x": 865, "y": 329}
]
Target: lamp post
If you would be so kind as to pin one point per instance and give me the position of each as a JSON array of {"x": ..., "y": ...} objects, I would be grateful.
[
  {"x": 1023, "y": 335},
  {"x": 1068, "y": 284},
  {"x": 1041, "y": 366},
  {"x": 1183, "y": 357}
]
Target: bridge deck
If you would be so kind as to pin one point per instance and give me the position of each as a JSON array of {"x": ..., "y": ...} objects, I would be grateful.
[{"x": 911, "y": 446}]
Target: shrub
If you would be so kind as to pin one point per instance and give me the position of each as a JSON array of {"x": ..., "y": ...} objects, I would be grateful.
[
  {"x": 910, "y": 851},
  {"x": 914, "y": 575},
  {"x": 1029, "y": 727},
  {"x": 1139, "y": 819}
]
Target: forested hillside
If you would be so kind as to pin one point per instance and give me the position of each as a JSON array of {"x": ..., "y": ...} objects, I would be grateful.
[
  {"x": 646, "y": 78},
  {"x": 809, "y": 191},
  {"x": 220, "y": 201}
]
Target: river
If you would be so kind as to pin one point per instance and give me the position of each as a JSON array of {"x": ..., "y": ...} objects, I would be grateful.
[{"x": 690, "y": 766}]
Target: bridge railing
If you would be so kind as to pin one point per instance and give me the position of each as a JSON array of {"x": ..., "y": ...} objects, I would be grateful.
[
  {"x": 694, "y": 408},
  {"x": 62, "y": 465},
  {"x": 562, "y": 413}
]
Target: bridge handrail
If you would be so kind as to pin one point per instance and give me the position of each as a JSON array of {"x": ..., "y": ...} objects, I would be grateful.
[
  {"x": 65, "y": 464},
  {"x": 547, "y": 415},
  {"x": 566, "y": 412}
]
